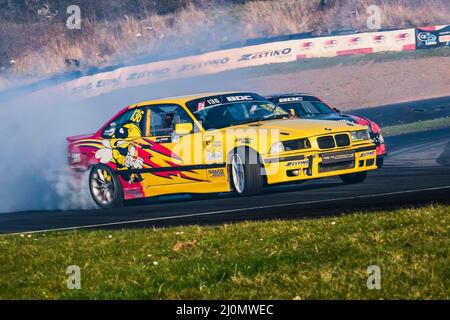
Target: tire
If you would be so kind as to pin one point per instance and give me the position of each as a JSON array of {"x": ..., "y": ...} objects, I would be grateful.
[
  {"x": 380, "y": 162},
  {"x": 353, "y": 178},
  {"x": 245, "y": 172},
  {"x": 105, "y": 187}
]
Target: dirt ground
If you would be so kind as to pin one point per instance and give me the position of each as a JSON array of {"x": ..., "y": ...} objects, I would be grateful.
[{"x": 367, "y": 84}]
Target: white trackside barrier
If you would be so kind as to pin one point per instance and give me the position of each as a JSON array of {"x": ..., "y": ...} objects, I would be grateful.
[{"x": 232, "y": 59}]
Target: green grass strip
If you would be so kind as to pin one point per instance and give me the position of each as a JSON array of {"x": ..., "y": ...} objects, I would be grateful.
[{"x": 324, "y": 258}]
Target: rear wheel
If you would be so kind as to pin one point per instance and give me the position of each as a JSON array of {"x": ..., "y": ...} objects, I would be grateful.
[
  {"x": 353, "y": 178},
  {"x": 246, "y": 172},
  {"x": 105, "y": 187}
]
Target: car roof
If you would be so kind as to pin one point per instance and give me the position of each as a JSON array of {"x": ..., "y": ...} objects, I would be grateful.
[
  {"x": 181, "y": 99},
  {"x": 284, "y": 95}
]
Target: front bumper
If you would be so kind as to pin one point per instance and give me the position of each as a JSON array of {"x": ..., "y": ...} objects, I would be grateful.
[{"x": 319, "y": 164}]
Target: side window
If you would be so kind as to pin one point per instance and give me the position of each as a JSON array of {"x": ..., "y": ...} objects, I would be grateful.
[
  {"x": 128, "y": 125},
  {"x": 162, "y": 119}
]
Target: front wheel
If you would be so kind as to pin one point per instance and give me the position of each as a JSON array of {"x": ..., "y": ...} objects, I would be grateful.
[
  {"x": 353, "y": 178},
  {"x": 380, "y": 162},
  {"x": 105, "y": 187},
  {"x": 246, "y": 172}
]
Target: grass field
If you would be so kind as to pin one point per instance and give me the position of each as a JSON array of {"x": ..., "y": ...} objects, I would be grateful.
[
  {"x": 324, "y": 258},
  {"x": 419, "y": 126}
]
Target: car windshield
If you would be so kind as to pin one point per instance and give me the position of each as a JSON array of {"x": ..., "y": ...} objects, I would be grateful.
[
  {"x": 229, "y": 114},
  {"x": 307, "y": 108}
]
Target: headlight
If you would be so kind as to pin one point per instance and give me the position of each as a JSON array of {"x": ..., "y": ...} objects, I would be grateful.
[
  {"x": 277, "y": 147},
  {"x": 360, "y": 135}
]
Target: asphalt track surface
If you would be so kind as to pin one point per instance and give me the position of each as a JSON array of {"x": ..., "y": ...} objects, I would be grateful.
[{"x": 411, "y": 176}]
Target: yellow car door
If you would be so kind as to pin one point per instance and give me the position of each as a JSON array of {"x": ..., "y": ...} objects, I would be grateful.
[{"x": 171, "y": 156}]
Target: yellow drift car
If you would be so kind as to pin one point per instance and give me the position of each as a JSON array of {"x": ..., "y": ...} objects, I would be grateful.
[{"x": 214, "y": 143}]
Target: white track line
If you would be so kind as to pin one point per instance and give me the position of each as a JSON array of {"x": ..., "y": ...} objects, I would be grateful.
[{"x": 226, "y": 211}]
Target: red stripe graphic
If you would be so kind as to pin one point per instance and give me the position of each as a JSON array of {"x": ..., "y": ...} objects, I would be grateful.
[{"x": 354, "y": 51}]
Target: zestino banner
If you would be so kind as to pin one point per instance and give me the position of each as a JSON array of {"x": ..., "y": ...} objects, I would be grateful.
[
  {"x": 433, "y": 37},
  {"x": 225, "y": 60},
  {"x": 362, "y": 43},
  {"x": 209, "y": 63}
]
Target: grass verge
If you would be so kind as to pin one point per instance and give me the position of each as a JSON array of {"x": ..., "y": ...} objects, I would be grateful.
[
  {"x": 324, "y": 258},
  {"x": 416, "y": 127}
]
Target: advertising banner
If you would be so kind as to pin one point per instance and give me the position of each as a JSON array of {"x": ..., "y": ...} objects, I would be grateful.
[
  {"x": 208, "y": 63},
  {"x": 428, "y": 38},
  {"x": 237, "y": 58},
  {"x": 362, "y": 43}
]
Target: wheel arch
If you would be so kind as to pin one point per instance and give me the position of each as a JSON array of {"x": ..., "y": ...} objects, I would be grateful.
[{"x": 243, "y": 147}]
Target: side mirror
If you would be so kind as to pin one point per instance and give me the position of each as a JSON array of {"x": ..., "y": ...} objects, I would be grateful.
[
  {"x": 183, "y": 128},
  {"x": 337, "y": 110}
]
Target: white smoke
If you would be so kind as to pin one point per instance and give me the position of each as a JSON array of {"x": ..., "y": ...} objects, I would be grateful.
[
  {"x": 33, "y": 159},
  {"x": 33, "y": 156},
  {"x": 33, "y": 139},
  {"x": 72, "y": 190}
]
